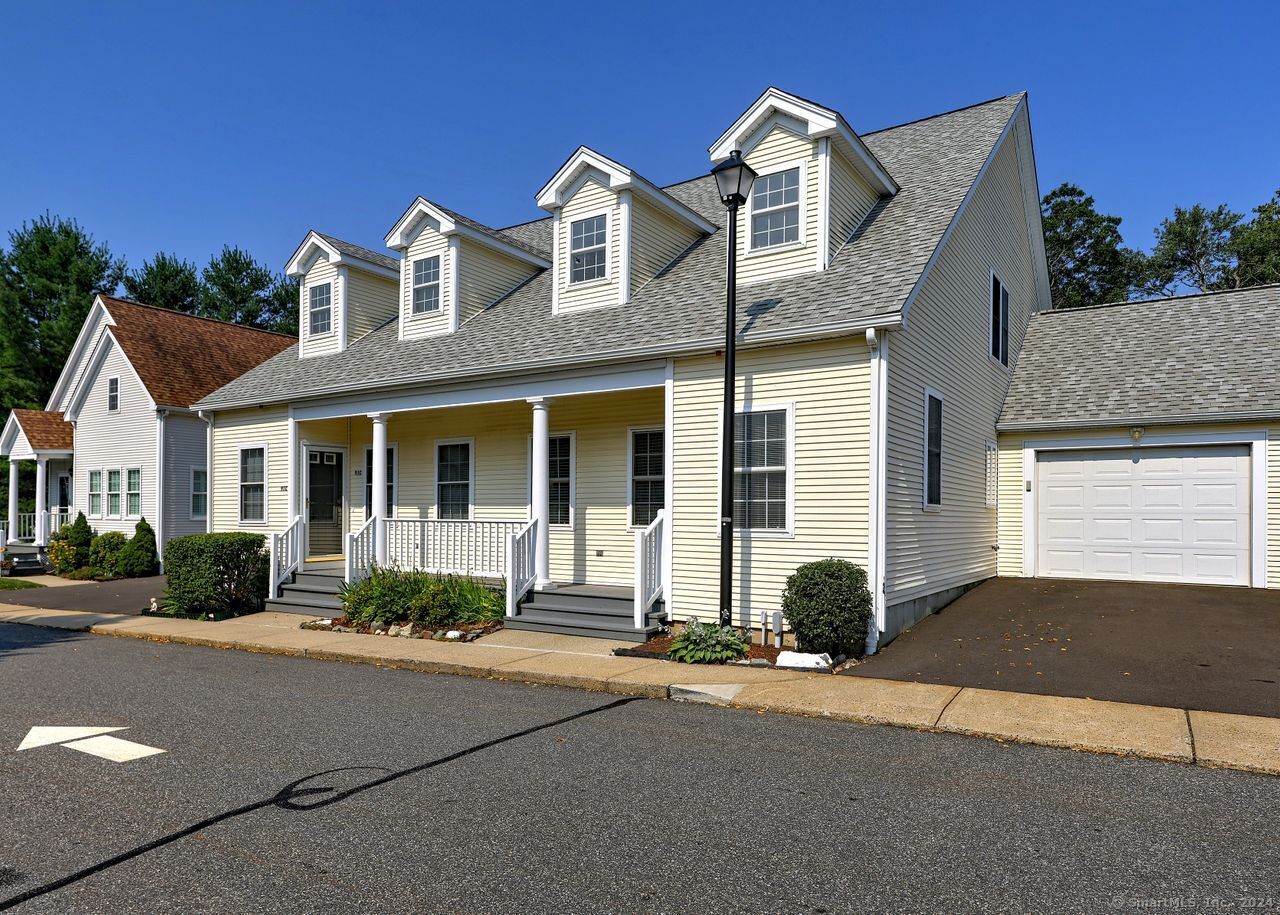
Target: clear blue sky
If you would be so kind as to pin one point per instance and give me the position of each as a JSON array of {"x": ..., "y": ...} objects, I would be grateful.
[{"x": 184, "y": 126}]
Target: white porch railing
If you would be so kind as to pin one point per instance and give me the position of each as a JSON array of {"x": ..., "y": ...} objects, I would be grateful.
[
  {"x": 26, "y": 529},
  {"x": 360, "y": 552},
  {"x": 648, "y": 587},
  {"x": 286, "y": 554},
  {"x": 58, "y": 518},
  {"x": 475, "y": 548},
  {"x": 521, "y": 563}
]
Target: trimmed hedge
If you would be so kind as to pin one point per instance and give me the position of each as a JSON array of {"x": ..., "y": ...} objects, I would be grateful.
[
  {"x": 829, "y": 607},
  {"x": 139, "y": 558},
  {"x": 104, "y": 554},
  {"x": 216, "y": 573}
]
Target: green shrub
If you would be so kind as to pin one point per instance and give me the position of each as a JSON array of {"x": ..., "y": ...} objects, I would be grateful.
[
  {"x": 62, "y": 556},
  {"x": 77, "y": 536},
  {"x": 216, "y": 573},
  {"x": 474, "y": 602},
  {"x": 138, "y": 558},
  {"x": 829, "y": 607},
  {"x": 83, "y": 573},
  {"x": 104, "y": 554},
  {"x": 391, "y": 595},
  {"x": 707, "y": 643}
]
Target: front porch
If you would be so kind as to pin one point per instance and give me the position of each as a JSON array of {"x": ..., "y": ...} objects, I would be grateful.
[
  {"x": 44, "y": 439},
  {"x": 560, "y": 502}
]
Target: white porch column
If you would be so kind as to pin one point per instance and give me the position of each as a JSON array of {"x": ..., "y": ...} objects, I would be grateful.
[
  {"x": 540, "y": 492},
  {"x": 13, "y": 500},
  {"x": 42, "y": 500},
  {"x": 378, "y": 483}
]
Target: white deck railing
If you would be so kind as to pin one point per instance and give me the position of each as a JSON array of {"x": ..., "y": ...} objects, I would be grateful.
[
  {"x": 58, "y": 519},
  {"x": 649, "y": 566},
  {"x": 360, "y": 552},
  {"x": 521, "y": 563},
  {"x": 477, "y": 548},
  {"x": 286, "y": 554},
  {"x": 26, "y": 529}
]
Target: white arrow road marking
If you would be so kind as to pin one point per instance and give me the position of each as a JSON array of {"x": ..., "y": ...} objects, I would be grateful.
[
  {"x": 43, "y": 736},
  {"x": 113, "y": 748}
]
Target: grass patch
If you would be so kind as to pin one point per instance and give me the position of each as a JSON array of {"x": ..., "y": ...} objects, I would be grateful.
[{"x": 17, "y": 584}]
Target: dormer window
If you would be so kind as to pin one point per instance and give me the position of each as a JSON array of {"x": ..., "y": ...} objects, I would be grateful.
[
  {"x": 775, "y": 209},
  {"x": 426, "y": 285},
  {"x": 588, "y": 240},
  {"x": 321, "y": 309}
]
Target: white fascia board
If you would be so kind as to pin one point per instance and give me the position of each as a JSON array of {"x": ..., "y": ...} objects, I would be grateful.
[
  {"x": 9, "y": 437},
  {"x": 314, "y": 247},
  {"x": 1126, "y": 422},
  {"x": 98, "y": 314},
  {"x": 1031, "y": 202},
  {"x": 423, "y": 211},
  {"x": 99, "y": 356}
]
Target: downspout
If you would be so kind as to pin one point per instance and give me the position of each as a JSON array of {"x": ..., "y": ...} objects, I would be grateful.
[
  {"x": 878, "y": 343},
  {"x": 160, "y": 488},
  {"x": 208, "y": 470}
]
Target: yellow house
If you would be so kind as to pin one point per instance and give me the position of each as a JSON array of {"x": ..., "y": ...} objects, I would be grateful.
[{"x": 541, "y": 404}]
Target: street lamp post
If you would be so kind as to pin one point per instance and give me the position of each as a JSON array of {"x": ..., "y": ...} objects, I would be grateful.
[{"x": 733, "y": 180}]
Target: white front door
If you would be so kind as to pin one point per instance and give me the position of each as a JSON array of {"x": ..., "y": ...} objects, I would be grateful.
[{"x": 1176, "y": 514}]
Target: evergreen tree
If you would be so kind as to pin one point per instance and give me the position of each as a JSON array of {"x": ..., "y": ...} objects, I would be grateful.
[
  {"x": 165, "y": 281},
  {"x": 1088, "y": 262}
]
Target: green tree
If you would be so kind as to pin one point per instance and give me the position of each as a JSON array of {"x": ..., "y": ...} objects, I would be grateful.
[
  {"x": 1194, "y": 249},
  {"x": 1256, "y": 245},
  {"x": 1088, "y": 261},
  {"x": 48, "y": 278},
  {"x": 165, "y": 281},
  {"x": 236, "y": 288}
]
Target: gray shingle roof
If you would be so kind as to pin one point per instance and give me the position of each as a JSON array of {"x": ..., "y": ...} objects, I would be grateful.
[
  {"x": 345, "y": 247},
  {"x": 1199, "y": 357},
  {"x": 518, "y": 240},
  {"x": 681, "y": 310}
]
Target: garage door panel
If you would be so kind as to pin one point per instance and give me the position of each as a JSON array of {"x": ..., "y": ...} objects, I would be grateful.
[{"x": 1149, "y": 514}]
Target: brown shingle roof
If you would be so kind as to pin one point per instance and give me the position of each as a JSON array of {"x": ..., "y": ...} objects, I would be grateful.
[
  {"x": 45, "y": 430},
  {"x": 181, "y": 358}
]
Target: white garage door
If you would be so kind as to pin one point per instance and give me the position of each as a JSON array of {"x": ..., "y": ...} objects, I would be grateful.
[{"x": 1150, "y": 514}]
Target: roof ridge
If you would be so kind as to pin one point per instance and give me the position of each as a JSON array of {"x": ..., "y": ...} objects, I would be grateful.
[
  {"x": 351, "y": 244},
  {"x": 1153, "y": 300},
  {"x": 943, "y": 114},
  {"x": 183, "y": 314}
]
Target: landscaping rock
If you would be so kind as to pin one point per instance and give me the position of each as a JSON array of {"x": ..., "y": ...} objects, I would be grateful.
[
  {"x": 453, "y": 635},
  {"x": 758, "y": 662},
  {"x": 803, "y": 660}
]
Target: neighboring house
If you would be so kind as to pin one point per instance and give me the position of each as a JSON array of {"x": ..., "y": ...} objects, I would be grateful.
[
  {"x": 119, "y": 439},
  {"x": 1141, "y": 441},
  {"x": 541, "y": 403}
]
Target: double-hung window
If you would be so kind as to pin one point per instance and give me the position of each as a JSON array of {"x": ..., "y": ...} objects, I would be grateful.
[
  {"x": 999, "y": 321},
  {"x": 426, "y": 285},
  {"x": 648, "y": 470},
  {"x": 932, "y": 449},
  {"x": 95, "y": 493},
  {"x": 588, "y": 239},
  {"x": 560, "y": 480},
  {"x": 113, "y": 395},
  {"x": 199, "y": 493},
  {"x": 453, "y": 480},
  {"x": 133, "y": 492},
  {"x": 321, "y": 309},
  {"x": 775, "y": 209},
  {"x": 253, "y": 484},
  {"x": 760, "y": 470},
  {"x": 113, "y": 494},
  {"x": 391, "y": 481}
]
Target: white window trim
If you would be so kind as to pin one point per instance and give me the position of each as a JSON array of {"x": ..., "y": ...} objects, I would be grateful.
[
  {"x": 605, "y": 280},
  {"x": 802, "y": 239},
  {"x": 100, "y": 513},
  {"x": 631, "y": 444},
  {"x": 333, "y": 324},
  {"x": 573, "y": 479},
  {"x": 991, "y": 459},
  {"x": 757, "y": 533},
  {"x": 925, "y": 504},
  {"x": 191, "y": 493},
  {"x": 439, "y": 284},
  {"x": 366, "y": 486},
  {"x": 106, "y": 494},
  {"x": 266, "y": 483},
  {"x": 992, "y": 279},
  {"x": 116, "y": 408},
  {"x": 124, "y": 505},
  {"x": 436, "y": 481}
]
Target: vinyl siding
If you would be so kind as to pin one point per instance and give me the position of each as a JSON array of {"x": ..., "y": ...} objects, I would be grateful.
[
  {"x": 94, "y": 336},
  {"x": 851, "y": 200},
  {"x": 429, "y": 243},
  {"x": 320, "y": 273},
  {"x": 656, "y": 240},
  {"x": 781, "y": 147},
  {"x": 1012, "y": 488},
  {"x": 589, "y": 200},
  {"x": 946, "y": 347},
  {"x": 116, "y": 441},
  {"x": 184, "y": 448},
  {"x": 371, "y": 302},
  {"x": 231, "y": 430},
  {"x": 485, "y": 276},
  {"x": 829, "y": 386}
]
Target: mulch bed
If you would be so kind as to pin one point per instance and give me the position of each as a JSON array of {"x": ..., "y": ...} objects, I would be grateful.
[
  {"x": 658, "y": 646},
  {"x": 471, "y": 631}
]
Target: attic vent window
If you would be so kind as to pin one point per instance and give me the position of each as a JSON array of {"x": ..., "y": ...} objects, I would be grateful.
[
  {"x": 587, "y": 240},
  {"x": 426, "y": 285},
  {"x": 321, "y": 310},
  {"x": 775, "y": 209}
]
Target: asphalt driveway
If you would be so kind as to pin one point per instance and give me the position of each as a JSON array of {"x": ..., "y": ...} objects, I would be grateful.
[
  {"x": 1186, "y": 646},
  {"x": 128, "y": 595}
]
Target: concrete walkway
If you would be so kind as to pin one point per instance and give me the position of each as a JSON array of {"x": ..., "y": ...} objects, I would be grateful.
[{"x": 1177, "y": 735}]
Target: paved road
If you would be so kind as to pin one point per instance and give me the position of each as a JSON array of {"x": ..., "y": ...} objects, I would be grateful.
[
  {"x": 128, "y": 595},
  {"x": 295, "y": 785}
]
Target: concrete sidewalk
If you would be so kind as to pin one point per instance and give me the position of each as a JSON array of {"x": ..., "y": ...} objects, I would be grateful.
[{"x": 1177, "y": 735}]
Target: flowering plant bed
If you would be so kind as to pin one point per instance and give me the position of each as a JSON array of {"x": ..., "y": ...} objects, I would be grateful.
[
  {"x": 459, "y": 632},
  {"x": 659, "y": 648}
]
